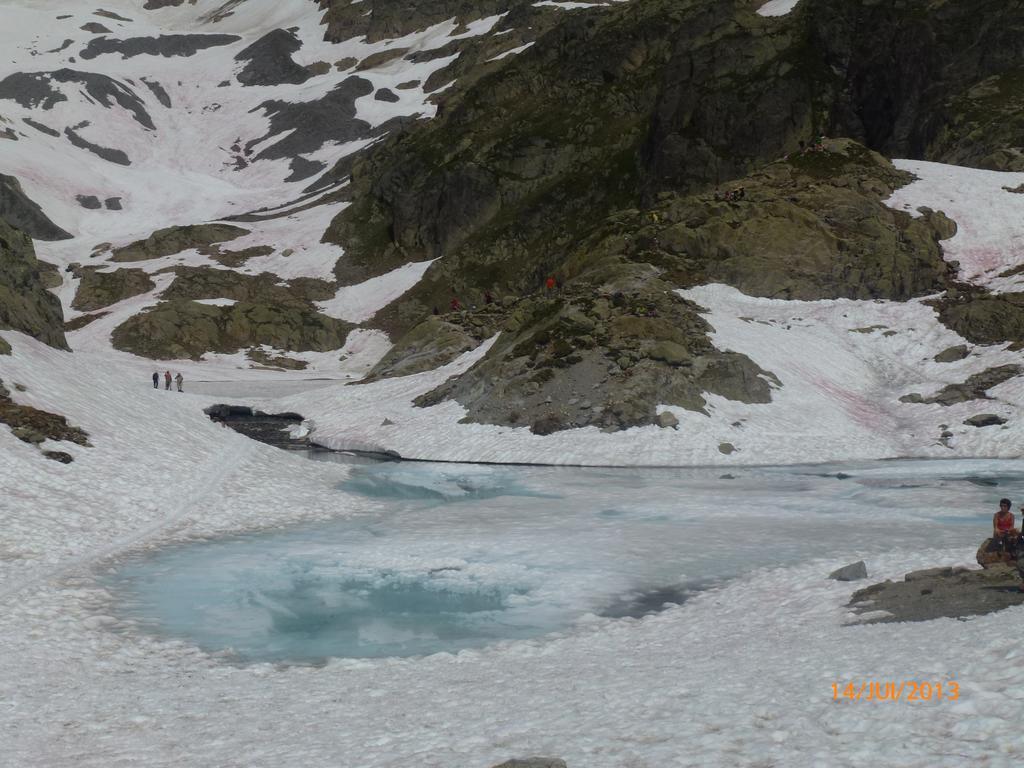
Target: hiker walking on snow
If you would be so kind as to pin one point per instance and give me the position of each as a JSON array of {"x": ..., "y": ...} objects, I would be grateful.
[
  {"x": 179, "y": 380},
  {"x": 167, "y": 380},
  {"x": 156, "y": 379}
]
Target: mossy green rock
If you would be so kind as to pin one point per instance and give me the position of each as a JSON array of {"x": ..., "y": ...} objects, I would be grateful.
[
  {"x": 984, "y": 318},
  {"x": 813, "y": 226},
  {"x": 25, "y": 304},
  {"x": 559, "y": 362},
  {"x": 431, "y": 344},
  {"x": 266, "y": 288},
  {"x": 97, "y": 290},
  {"x": 172, "y": 240},
  {"x": 186, "y": 329}
]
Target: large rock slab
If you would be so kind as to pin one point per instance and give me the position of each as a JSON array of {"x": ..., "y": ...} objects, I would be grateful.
[{"x": 940, "y": 592}]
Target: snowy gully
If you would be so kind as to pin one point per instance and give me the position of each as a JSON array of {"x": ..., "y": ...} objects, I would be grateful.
[{"x": 907, "y": 690}]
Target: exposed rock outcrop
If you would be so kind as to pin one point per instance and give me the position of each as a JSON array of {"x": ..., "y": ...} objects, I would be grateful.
[
  {"x": 22, "y": 213},
  {"x": 940, "y": 592},
  {"x": 25, "y": 304},
  {"x": 97, "y": 290},
  {"x": 35, "y": 426},
  {"x": 172, "y": 240},
  {"x": 187, "y": 329}
]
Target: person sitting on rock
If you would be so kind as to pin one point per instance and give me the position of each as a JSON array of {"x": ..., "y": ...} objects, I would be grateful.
[{"x": 1004, "y": 534}]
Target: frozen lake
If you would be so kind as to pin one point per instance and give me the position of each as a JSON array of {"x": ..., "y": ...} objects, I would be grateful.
[{"x": 460, "y": 556}]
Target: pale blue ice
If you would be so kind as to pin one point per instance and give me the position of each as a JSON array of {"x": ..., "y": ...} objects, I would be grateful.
[{"x": 455, "y": 556}]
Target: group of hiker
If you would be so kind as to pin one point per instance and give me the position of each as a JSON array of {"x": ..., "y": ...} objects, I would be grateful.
[{"x": 179, "y": 380}]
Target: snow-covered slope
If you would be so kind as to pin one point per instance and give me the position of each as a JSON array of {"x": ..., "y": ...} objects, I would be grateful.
[{"x": 130, "y": 119}]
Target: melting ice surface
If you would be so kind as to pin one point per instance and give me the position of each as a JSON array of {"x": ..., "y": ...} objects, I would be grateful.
[{"x": 445, "y": 557}]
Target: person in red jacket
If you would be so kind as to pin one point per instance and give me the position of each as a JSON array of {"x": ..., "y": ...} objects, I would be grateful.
[
  {"x": 167, "y": 380},
  {"x": 455, "y": 304}
]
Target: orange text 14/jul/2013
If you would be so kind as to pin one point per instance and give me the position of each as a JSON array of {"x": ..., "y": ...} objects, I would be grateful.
[{"x": 904, "y": 690}]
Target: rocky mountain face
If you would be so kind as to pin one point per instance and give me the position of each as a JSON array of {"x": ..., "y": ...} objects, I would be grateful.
[
  {"x": 551, "y": 177},
  {"x": 595, "y": 155},
  {"x": 25, "y": 303}
]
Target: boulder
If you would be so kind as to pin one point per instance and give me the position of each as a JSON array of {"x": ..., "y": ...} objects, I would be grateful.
[
  {"x": 952, "y": 354},
  {"x": 984, "y": 420},
  {"x": 666, "y": 420},
  {"x": 989, "y": 555},
  {"x": 851, "y": 572}
]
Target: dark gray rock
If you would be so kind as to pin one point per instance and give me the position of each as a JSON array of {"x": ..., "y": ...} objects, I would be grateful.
[
  {"x": 314, "y": 123},
  {"x": 95, "y": 28},
  {"x": 158, "y": 91},
  {"x": 270, "y": 60},
  {"x": 976, "y": 387},
  {"x": 107, "y": 153},
  {"x": 112, "y": 203},
  {"x": 851, "y": 572},
  {"x": 23, "y": 213},
  {"x": 36, "y": 90},
  {"x": 984, "y": 420},
  {"x": 89, "y": 201},
  {"x": 164, "y": 45},
  {"x": 40, "y": 127},
  {"x": 952, "y": 354},
  {"x": 301, "y": 168},
  {"x": 386, "y": 94}
]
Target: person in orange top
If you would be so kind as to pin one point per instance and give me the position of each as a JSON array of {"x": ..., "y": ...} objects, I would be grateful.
[{"x": 1004, "y": 534}]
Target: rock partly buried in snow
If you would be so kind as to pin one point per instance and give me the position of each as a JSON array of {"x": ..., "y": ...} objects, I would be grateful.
[
  {"x": 981, "y": 317},
  {"x": 181, "y": 328},
  {"x": 952, "y": 354},
  {"x": 172, "y": 240},
  {"x": 37, "y": 90},
  {"x": 984, "y": 420},
  {"x": 164, "y": 45},
  {"x": 90, "y": 202},
  {"x": 110, "y": 154},
  {"x": 851, "y": 572},
  {"x": 19, "y": 211},
  {"x": 97, "y": 290},
  {"x": 25, "y": 303},
  {"x": 35, "y": 426},
  {"x": 431, "y": 344},
  {"x": 595, "y": 356},
  {"x": 311, "y": 124},
  {"x": 265, "y": 288},
  {"x": 269, "y": 60},
  {"x": 667, "y": 420},
  {"x": 533, "y": 762},
  {"x": 940, "y": 592},
  {"x": 975, "y": 388}
]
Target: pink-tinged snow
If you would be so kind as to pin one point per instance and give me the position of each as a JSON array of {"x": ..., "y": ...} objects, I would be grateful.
[
  {"x": 989, "y": 218},
  {"x": 777, "y": 7},
  {"x": 358, "y": 303}
]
